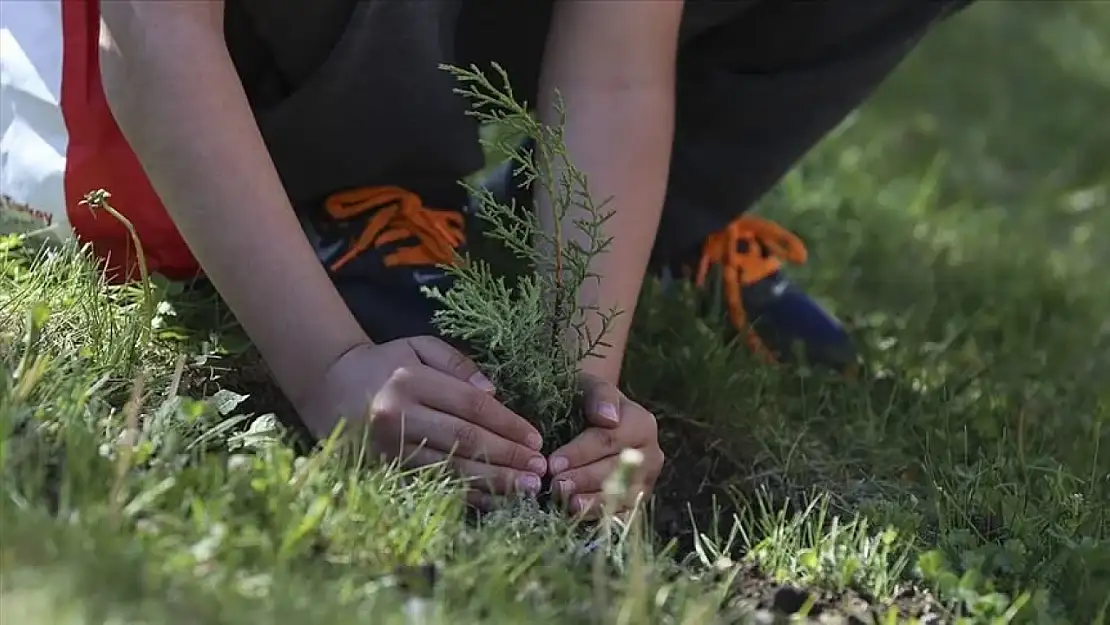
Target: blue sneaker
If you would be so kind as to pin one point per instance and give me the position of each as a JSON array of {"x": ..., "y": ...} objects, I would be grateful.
[{"x": 778, "y": 321}]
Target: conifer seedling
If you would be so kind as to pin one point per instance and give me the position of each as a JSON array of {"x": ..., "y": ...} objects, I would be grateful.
[{"x": 528, "y": 332}]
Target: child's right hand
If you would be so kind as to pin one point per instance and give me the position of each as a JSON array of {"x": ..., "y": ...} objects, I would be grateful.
[{"x": 425, "y": 402}]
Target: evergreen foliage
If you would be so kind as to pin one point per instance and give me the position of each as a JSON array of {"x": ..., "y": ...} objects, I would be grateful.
[{"x": 528, "y": 334}]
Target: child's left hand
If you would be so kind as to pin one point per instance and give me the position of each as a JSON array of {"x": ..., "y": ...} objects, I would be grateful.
[{"x": 579, "y": 468}]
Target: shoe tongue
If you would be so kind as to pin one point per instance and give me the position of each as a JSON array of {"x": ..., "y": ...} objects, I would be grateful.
[{"x": 770, "y": 288}]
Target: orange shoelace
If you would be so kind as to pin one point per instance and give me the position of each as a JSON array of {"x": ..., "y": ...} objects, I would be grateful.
[
  {"x": 748, "y": 250},
  {"x": 397, "y": 215}
]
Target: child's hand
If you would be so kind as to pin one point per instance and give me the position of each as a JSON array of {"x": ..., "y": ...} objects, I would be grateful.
[
  {"x": 423, "y": 400},
  {"x": 579, "y": 468}
]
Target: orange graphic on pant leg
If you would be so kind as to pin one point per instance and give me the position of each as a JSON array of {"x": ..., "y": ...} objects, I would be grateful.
[{"x": 397, "y": 215}]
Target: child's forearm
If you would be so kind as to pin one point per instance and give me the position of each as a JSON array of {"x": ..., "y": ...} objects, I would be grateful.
[
  {"x": 613, "y": 64},
  {"x": 624, "y": 151},
  {"x": 172, "y": 87}
]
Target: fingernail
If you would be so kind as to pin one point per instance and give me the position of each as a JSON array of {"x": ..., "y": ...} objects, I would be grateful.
[
  {"x": 529, "y": 483},
  {"x": 566, "y": 487},
  {"x": 608, "y": 412},
  {"x": 537, "y": 466},
  {"x": 558, "y": 465},
  {"x": 481, "y": 382},
  {"x": 535, "y": 441}
]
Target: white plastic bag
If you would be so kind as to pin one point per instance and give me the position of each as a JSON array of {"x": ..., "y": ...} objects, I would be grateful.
[{"x": 33, "y": 135}]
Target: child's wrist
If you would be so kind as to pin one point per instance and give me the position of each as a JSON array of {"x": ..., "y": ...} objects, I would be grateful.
[{"x": 301, "y": 376}]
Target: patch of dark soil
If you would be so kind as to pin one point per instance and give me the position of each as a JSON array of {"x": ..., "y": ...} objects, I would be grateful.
[
  {"x": 755, "y": 592},
  {"x": 691, "y": 493}
]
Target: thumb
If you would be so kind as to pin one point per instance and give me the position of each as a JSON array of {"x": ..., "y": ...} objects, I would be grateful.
[
  {"x": 440, "y": 356},
  {"x": 602, "y": 401}
]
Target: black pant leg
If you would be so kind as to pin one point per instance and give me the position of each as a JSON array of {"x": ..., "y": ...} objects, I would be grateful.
[
  {"x": 511, "y": 33},
  {"x": 759, "y": 91}
]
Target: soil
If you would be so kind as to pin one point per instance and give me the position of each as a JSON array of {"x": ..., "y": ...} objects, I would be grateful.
[
  {"x": 690, "y": 488},
  {"x": 769, "y": 602}
]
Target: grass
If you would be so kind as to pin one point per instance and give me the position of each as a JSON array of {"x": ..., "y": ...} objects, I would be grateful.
[{"x": 953, "y": 221}]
